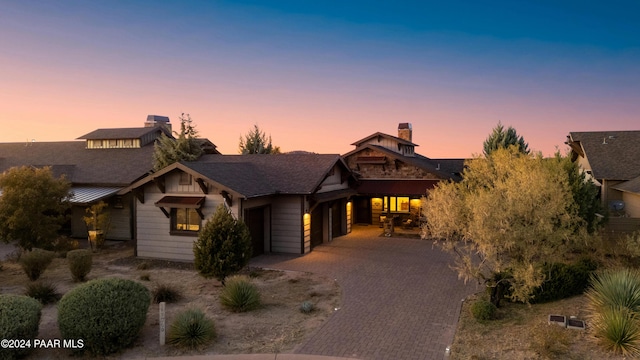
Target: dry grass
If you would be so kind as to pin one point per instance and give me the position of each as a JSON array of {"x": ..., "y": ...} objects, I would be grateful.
[
  {"x": 278, "y": 326},
  {"x": 521, "y": 332}
]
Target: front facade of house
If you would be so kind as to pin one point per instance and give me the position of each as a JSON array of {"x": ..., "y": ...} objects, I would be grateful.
[
  {"x": 99, "y": 167},
  {"x": 290, "y": 202},
  {"x": 612, "y": 160},
  {"x": 392, "y": 177}
]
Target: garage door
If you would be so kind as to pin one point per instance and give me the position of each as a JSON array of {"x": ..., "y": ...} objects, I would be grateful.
[
  {"x": 336, "y": 219},
  {"x": 254, "y": 218}
]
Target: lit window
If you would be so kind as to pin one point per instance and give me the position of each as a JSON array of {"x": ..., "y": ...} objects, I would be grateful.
[
  {"x": 113, "y": 143},
  {"x": 398, "y": 204},
  {"x": 127, "y": 143},
  {"x": 185, "y": 221}
]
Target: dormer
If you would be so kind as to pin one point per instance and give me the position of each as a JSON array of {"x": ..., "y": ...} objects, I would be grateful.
[{"x": 126, "y": 138}]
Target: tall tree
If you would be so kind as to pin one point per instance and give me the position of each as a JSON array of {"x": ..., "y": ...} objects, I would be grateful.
[
  {"x": 509, "y": 214},
  {"x": 257, "y": 142},
  {"x": 501, "y": 138},
  {"x": 184, "y": 147},
  {"x": 33, "y": 206}
]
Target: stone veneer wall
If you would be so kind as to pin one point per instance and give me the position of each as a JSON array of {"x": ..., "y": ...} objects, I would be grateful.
[{"x": 388, "y": 170}]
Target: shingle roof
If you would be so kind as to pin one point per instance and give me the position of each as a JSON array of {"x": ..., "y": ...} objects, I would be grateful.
[
  {"x": 257, "y": 175},
  {"x": 100, "y": 167},
  {"x": 632, "y": 186},
  {"x": 121, "y": 133},
  {"x": 612, "y": 155}
]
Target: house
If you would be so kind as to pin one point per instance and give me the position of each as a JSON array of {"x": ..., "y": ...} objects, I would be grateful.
[
  {"x": 290, "y": 202},
  {"x": 104, "y": 163},
  {"x": 392, "y": 177},
  {"x": 612, "y": 160}
]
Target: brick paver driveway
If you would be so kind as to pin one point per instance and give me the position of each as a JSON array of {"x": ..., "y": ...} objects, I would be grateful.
[{"x": 401, "y": 299}]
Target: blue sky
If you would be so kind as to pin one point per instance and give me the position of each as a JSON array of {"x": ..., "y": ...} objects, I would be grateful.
[{"x": 320, "y": 75}]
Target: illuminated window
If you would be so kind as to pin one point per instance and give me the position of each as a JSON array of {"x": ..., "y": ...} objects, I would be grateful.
[
  {"x": 185, "y": 221},
  {"x": 113, "y": 143},
  {"x": 127, "y": 143},
  {"x": 397, "y": 203}
]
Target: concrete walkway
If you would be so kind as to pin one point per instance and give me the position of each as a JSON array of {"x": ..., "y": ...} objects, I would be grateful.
[{"x": 401, "y": 299}]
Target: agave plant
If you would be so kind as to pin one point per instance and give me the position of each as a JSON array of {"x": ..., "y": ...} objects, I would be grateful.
[
  {"x": 614, "y": 304},
  {"x": 191, "y": 329},
  {"x": 240, "y": 294}
]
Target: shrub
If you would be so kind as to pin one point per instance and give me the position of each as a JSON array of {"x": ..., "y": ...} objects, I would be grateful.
[
  {"x": 614, "y": 302},
  {"x": 107, "y": 313},
  {"x": 239, "y": 294},
  {"x": 165, "y": 293},
  {"x": 44, "y": 292},
  {"x": 564, "y": 280},
  {"x": 483, "y": 310},
  {"x": 145, "y": 277},
  {"x": 35, "y": 262},
  {"x": 549, "y": 341},
  {"x": 307, "y": 307},
  {"x": 63, "y": 244},
  {"x": 223, "y": 246},
  {"x": 19, "y": 319},
  {"x": 80, "y": 262},
  {"x": 191, "y": 329},
  {"x": 143, "y": 266}
]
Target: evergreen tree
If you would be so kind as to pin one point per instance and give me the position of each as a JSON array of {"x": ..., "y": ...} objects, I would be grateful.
[
  {"x": 33, "y": 206},
  {"x": 184, "y": 147},
  {"x": 223, "y": 246},
  {"x": 256, "y": 142},
  {"x": 500, "y": 138}
]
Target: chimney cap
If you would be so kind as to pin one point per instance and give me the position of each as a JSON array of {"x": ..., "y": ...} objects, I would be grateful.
[{"x": 404, "y": 126}]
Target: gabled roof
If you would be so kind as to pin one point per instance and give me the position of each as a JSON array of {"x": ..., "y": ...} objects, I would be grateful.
[
  {"x": 124, "y": 133},
  {"x": 612, "y": 155},
  {"x": 259, "y": 175},
  {"x": 104, "y": 167},
  {"x": 444, "y": 168},
  {"x": 383, "y": 135},
  {"x": 632, "y": 186}
]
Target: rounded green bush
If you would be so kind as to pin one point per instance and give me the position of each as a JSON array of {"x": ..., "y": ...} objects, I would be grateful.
[
  {"x": 240, "y": 294},
  {"x": 80, "y": 262},
  {"x": 35, "y": 262},
  {"x": 19, "y": 319},
  {"x": 191, "y": 329},
  {"x": 107, "y": 314},
  {"x": 483, "y": 310}
]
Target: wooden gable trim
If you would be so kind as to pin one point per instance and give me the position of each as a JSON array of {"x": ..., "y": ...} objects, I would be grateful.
[
  {"x": 159, "y": 181},
  {"x": 139, "y": 194},
  {"x": 203, "y": 185},
  {"x": 227, "y": 197}
]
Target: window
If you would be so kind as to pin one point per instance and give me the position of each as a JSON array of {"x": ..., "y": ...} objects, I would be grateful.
[
  {"x": 185, "y": 179},
  {"x": 185, "y": 221},
  {"x": 396, "y": 204},
  {"x": 127, "y": 143},
  {"x": 113, "y": 143}
]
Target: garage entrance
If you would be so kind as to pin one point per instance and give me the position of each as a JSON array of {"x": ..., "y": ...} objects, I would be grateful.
[{"x": 316, "y": 226}]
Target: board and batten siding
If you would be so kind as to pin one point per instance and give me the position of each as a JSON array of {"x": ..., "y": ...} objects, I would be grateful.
[
  {"x": 153, "y": 227},
  {"x": 631, "y": 204},
  {"x": 286, "y": 224}
]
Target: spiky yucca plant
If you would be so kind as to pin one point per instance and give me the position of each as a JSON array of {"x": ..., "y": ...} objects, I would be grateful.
[
  {"x": 240, "y": 294},
  {"x": 614, "y": 305},
  {"x": 191, "y": 329}
]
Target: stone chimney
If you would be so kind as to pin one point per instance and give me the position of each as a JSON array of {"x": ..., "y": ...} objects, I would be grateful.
[
  {"x": 157, "y": 120},
  {"x": 404, "y": 131}
]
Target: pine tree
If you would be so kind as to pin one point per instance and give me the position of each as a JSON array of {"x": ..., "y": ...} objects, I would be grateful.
[
  {"x": 500, "y": 138},
  {"x": 256, "y": 142},
  {"x": 184, "y": 147}
]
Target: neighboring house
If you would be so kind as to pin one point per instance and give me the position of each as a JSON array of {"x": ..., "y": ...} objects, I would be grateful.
[
  {"x": 107, "y": 161},
  {"x": 392, "y": 177},
  {"x": 290, "y": 202},
  {"x": 612, "y": 160}
]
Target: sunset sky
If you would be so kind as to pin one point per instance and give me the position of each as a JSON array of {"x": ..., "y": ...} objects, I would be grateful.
[{"x": 319, "y": 75}]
